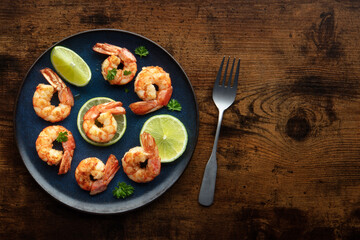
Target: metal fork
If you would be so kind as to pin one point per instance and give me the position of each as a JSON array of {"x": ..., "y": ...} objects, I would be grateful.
[{"x": 224, "y": 94}]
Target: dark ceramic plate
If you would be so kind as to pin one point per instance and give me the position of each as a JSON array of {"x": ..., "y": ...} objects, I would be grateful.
[{"x": 64, "y": 187}]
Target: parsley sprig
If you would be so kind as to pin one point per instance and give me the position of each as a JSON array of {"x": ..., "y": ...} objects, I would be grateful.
[
  {"x": 111, "y": 74},
  {"x": 62, "y": 137},
  {"x": 174, "y": 105},
  {"x": 141, "y": 51},
  {"x": 123, "y": 190},
  {"x": 127, "y": 72}
]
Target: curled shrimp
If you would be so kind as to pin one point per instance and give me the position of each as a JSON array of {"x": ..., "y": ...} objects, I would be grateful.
[
  {"x": 94, "y": 168},
  {"x": 44, "y": 147},
  {"x": 117, "y": 56},
  {"x": 144, "y": 87},
  {"x": 103, "y": 113},
  {"x": 44, "y": 93},
  {"x": 147, "y": 155}
]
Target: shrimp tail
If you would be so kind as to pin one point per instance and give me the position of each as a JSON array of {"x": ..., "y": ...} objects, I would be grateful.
[
  {"x": 69, "y": 147},
  {"x": 111, "y": 167},
  {"x": 150, "y": 147},
  {"x": 53, "y": 79},
  {"x": 164, "y": 96},
  {"x": 126, "y": 55},
  {"x": 66, "y": 96},
  {"x": 65, "y": 163},
  {"x": 107, "y": 49},
  {"x": 112, "y": 107},
  {"x": 144, "y": 107},
  {"x": 117, "y": 111},
  {"x": 149, "y": 143}
]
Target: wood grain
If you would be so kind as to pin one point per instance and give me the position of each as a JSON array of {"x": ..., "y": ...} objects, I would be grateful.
[{"x": 288, "y": 154}]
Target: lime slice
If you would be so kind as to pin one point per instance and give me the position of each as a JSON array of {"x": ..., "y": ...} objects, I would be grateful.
[
  {"x": 120, "y": 119},
  {"x": 70, "y": 66},
  {"x": 170, "y": 136}
]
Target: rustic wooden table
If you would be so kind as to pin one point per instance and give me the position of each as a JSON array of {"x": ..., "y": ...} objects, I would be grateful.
[{"x": 289, "y": 149}]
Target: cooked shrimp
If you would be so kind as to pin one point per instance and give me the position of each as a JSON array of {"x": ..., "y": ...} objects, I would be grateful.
[
  {"x": 136, "y": 157},
  {"x": 144, "y": 87},
  {"x": 44, "y": 93},
  {"x": 103, "y": 113},
  {"x": 44, "y": 147},
  {"x": 118, "y": 55},
  {"x": 94, "y": 168}
]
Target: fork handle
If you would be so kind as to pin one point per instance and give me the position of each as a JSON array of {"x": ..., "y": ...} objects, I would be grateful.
[{"x": 207, "y": 189}]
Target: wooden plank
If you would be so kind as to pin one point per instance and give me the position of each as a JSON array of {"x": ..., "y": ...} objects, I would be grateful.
[{"x": 288, "y": 155}]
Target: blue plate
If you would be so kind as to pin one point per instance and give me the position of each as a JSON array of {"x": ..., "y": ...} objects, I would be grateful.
[{"x": 64, "y": 187}]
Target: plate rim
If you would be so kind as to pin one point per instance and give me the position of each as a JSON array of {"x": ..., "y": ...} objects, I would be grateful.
[{"x": 34, "y": 174}]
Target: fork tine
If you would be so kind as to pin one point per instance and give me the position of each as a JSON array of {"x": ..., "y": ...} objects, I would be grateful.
[
  {"x": 218, "y": 77},
  {"x": 225, "y": 73},
  {"x": 230, "y": 76},
  {"x": 236, "y": 78}
]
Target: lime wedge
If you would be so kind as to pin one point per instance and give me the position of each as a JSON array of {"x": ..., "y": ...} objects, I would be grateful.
[
  {"x": 70, "y": 66},
  {"x": 170, "y": 136},
  {"x": 120, "y": 119}
]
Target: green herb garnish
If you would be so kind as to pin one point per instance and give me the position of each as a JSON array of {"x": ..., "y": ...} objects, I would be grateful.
[
  {"x": 62, "y": 137},
  {"x": 126, "y": 90},
  {"x": 174, "y": 105},
  {"x": 111, "y": 74},
  {"x": 141, "y": 51},
  {"x": 123, "y": 190},
  {"x": 127, "y": 72}
]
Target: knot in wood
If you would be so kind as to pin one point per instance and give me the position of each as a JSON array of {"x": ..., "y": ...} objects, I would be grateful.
[{"x": 298, "y": 126}]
